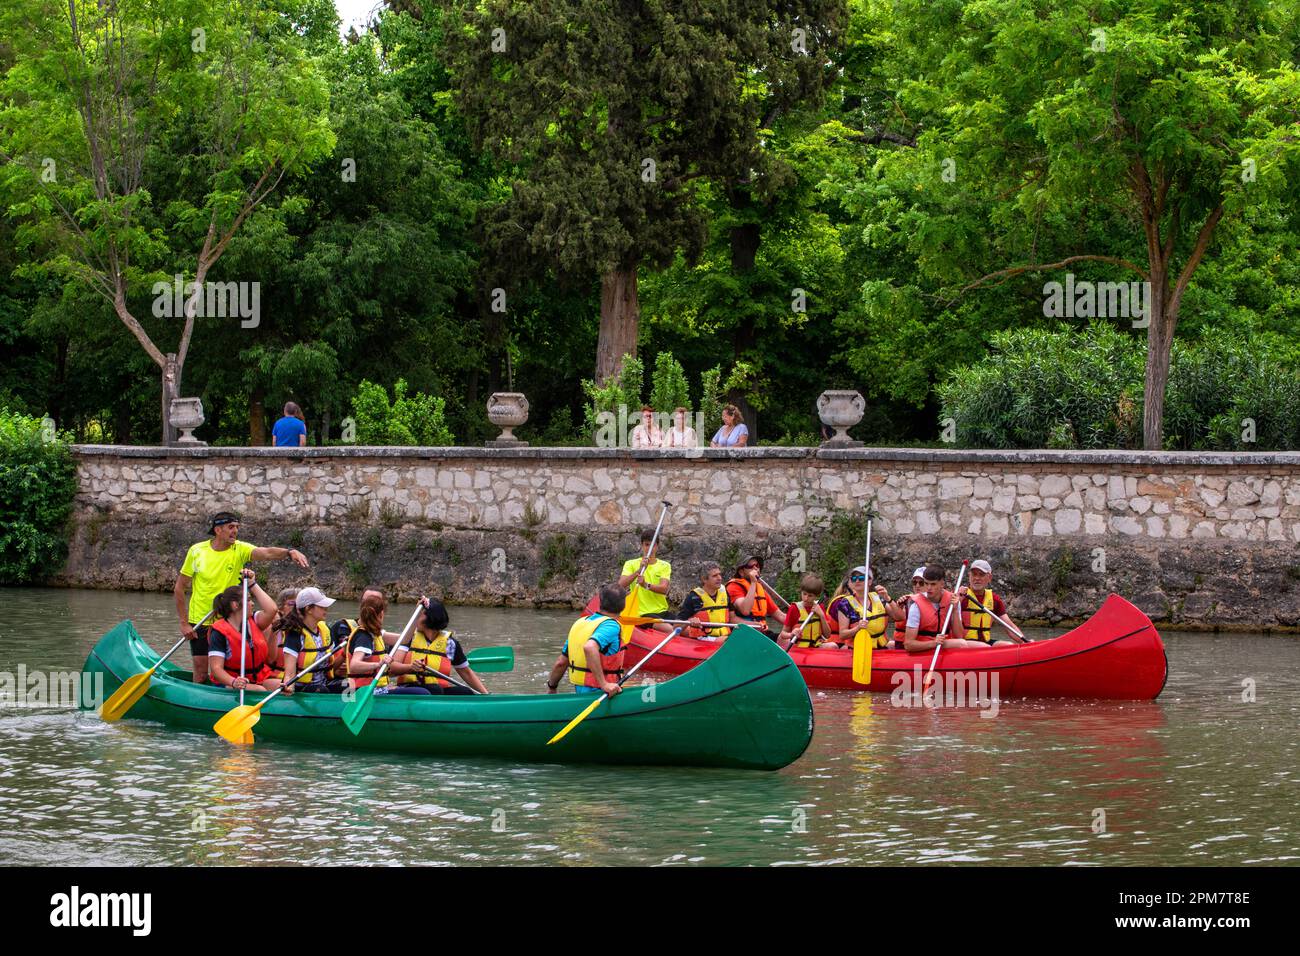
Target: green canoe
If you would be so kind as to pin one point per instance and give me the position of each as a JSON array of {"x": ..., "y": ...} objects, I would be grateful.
[{"x": 745, "y": 707}]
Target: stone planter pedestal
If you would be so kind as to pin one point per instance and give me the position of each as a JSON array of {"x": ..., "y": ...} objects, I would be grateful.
[
  {"x": 186, "y": 414},
  {"x": 508, "y": 410},
  {"x": 841, "y": 410}
]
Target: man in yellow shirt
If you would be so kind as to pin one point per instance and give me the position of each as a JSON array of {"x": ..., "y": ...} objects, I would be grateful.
[
  {"x": 210, "y": 567},
  {"x": 649, "y": 579}
]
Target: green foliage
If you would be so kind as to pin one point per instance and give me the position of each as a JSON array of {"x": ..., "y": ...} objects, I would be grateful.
[
  {"x": 711, "y": 402},
  {"x": 406, "y": 420},
  {"x": 1082, "y": 388},
  {"x": 623, "y": 390},
  {"x": 669, "y": 390},
  {"x": 559, "y": 559},
  {"x": 38, "y": 480}
]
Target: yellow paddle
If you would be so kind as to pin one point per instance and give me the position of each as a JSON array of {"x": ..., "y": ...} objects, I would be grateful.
[
  {"x": 636, "y": 582},
  {"x": 861, "y": 648},
  {"x": 597, "y": 702},
  {"x": 135, "y": 686},
  {"x": 642, "y": 621},
  {"x": 237, "y": 724}
]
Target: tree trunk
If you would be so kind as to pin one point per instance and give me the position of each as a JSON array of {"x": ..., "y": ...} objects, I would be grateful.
[
  {"x": 171, "y": 383},
  {"x": 1160, "y": 338},
  {"x": 257, "y": 416},
  {"x": 620, "y": 314}
]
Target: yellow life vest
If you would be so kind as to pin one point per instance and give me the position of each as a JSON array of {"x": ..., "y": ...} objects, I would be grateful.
[
  {"x": 977, "y": 616},
  {"x": 361, "y": 680},
  {"x": 433, "y": 652},
  {"x": 877, "y": 618},
  {"x": 313, "y": 646},
  {"x": 811, "y": 636},
  {"x": 711, "y": 609},
  {"x": 580, "y": 675}
]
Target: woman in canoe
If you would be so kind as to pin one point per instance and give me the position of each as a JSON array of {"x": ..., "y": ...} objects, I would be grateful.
[
  {"x": 236, "y": 661},
  {"x": 750, "y": 601},
  {"x": 433, "y": 651},
  {"x": 852, "y": 620},
  {"x": 368, "y": 652},
  {"x": 284, "y": 603},
  {"x": 306, "y": 638}
]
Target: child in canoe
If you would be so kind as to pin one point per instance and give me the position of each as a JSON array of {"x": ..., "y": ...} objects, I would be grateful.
[
  {"x": 433, "y": 651},
  {"x": 816, "y": 632}
]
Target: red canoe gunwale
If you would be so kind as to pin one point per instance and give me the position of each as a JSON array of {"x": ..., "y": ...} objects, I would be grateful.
[{"x": 1116, "y": 654}]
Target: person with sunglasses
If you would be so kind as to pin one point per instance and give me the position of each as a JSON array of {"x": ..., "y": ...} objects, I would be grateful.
[
  {"x": 750, "y": 601},
  {"x": 866, "y": 608},
  {"x": 900, "y": 622}
]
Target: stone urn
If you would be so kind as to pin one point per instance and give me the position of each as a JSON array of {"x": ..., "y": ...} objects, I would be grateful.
[
  {"x": 841, "y": 410},
  {"x": 187, "y": 415},
  {"x": 508, "y": 410}
]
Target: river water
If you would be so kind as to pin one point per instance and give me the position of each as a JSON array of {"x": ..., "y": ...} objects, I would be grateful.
[{"x": 1199, "y": 776}]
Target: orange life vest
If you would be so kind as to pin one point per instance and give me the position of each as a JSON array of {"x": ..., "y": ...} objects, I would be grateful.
[
  {"x": 254, "y": 661},
  {"x": 932, "y": 617},
  {"x": 759, "y": 610}
]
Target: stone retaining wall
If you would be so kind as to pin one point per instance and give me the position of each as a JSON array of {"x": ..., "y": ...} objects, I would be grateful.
[{"x": 1207, "y": 540}]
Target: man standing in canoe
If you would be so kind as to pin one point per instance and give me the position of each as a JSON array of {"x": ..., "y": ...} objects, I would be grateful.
[
  {"x": 979, "y": 605},
  {"x": 649, "y": 579},
  {"x": 593, "y": 651},
  {"x": 926, "y": 615},
  {"x": 210, "y": 567}
]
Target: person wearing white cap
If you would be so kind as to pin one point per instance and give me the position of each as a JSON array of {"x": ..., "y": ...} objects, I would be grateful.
[
  {"x": 900, "y": 622},
  {"x": 979, "y": 605},
  {"x": 866, "y": 607},
  {"x": 306, "y": 637},
  {"x": 929, "y": 613}
]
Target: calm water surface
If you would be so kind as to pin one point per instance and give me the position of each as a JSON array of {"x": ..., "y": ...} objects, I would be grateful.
[{"x": 1197, "y": 777}]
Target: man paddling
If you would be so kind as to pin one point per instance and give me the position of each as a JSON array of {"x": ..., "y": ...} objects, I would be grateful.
[
  {"x": 649, "y": 579},
  {"x": 927, "y": 613},
  {"x": 979, "y": 605},
  {"x": 211, "y": 567},
  {"x": 593, "y": 651}
]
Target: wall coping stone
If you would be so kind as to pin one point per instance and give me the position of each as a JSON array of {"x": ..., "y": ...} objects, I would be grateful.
[{"x": 1177, "y": 459}]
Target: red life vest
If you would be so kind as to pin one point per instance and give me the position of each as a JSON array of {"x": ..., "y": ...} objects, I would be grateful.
[
  {"x": 931, "y": 617},
  {"x": 900, "y": 626},
  {"x": 254, "y": 664},
  {"x": 759, "y": 610}
]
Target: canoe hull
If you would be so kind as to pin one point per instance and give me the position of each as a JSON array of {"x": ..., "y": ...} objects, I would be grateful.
[
  {"x": 1116, "y": 654},
  {"x": 747, "y": 710}
]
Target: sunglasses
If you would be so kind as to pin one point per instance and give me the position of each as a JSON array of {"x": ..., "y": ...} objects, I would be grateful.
[
  {"x": 753, "y": 567},
  {"x": 857, "y": 577}
]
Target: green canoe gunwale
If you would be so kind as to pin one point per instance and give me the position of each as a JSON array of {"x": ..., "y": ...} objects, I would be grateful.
[{"x": 750, "y": 710}]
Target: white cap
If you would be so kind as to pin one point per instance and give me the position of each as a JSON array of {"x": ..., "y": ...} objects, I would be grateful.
[
  {"x": 308, "y": 597},
  {"x": 919, "y": 573},
  {"x": 981, "y": 565}
]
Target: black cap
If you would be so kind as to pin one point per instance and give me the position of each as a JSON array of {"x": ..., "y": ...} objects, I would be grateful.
[
  {"x": 220, "y": 518},
  {"x": 435, "y": 615}
]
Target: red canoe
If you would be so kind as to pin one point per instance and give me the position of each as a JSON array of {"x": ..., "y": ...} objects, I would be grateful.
[{"x": 1115, "y": 655}]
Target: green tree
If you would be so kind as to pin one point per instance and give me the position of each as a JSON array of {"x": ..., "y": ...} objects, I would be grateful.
[
  {"x": 98, "y": 93},
  {"x": 614, "y": 123},
  {"x": 38, "y": 481}
]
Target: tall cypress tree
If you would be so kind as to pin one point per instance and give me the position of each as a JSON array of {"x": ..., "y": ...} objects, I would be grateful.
[{"x": 617, "y": 110}]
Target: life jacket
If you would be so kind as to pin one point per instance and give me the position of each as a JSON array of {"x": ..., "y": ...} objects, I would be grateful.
[
  {"x": 877, "y": 617},
  {"x": 579, "y": 673},
  {"x": 253, "y": 666},
  {"x": 811, "y": 635},
  {"x": 759, "y": 610},
  {"x": 900, "y": 626},
  {"x": 932, "y": 617},
  {"x": 314, "y": 644},
  {"x": 714, "y": 609},
  {"x": 433, "y": 652},
  {"x": 977, "y": 617},
  {"x": 361, "y": 680}
]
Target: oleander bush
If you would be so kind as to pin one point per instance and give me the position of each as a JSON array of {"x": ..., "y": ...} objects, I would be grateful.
[
  {"x": 1081, "y": 387},
  {"x": 38, "y": 480},
  {"x": 415, "y": 419}
]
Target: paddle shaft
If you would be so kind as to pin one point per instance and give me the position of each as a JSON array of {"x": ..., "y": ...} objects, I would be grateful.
[
  {"x": 799, "y": 633},
  {"x": 406, "y": 632},
  {"x": 772, "y": 591},
  {"x": 243, "y": 640},
  {"x": 943, "y": 631},
  {"x": 323, "y": 659},
  {"x": 175, "y": 647},
  {"x": 641, "y": 663}
]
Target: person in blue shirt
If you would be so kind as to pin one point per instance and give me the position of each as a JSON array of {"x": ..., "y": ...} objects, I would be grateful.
[
  {"x": 593, "y": 651},
  {"x": 291, "y": 430}
]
